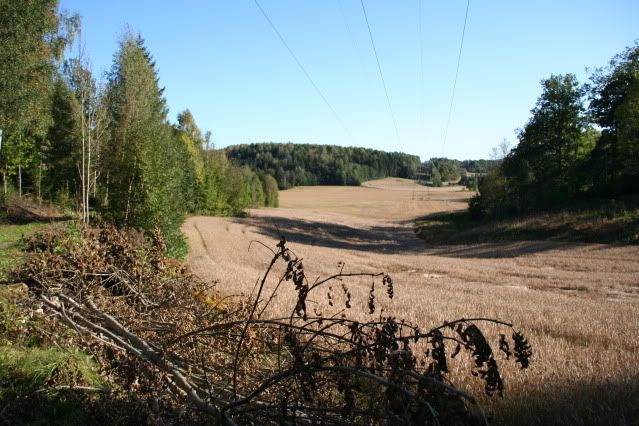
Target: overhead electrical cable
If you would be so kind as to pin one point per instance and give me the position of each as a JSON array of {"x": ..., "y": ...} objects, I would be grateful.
[
  {"x": 421, "y": 67},
  {"x": 422, "y": 112},
  {"x": 351, "y": 36},
  {"x": 381, "y": 74},
  {"x": 308, "y": 76},
  {"x": 452, "y": 97}
]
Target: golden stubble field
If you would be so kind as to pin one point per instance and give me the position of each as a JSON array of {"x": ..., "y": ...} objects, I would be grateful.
[{"x": 577, "y": 303}]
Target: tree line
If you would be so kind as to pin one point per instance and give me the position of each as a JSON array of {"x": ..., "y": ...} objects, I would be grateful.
[
  {"x": 438, "y": 171},
  {"x": 106, "y": 145},
  {"x": 581, "y": 142},
  {"x": 308, "y": 164}
]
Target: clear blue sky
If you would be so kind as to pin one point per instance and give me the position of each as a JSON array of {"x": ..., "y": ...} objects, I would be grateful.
[{"x": 221, "y": 59}]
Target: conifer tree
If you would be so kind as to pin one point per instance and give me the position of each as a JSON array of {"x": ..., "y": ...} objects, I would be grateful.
[{"x": 143, "y": 178}]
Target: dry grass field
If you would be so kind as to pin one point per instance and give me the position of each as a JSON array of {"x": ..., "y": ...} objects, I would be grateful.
[{"x": 577, "y": 303}]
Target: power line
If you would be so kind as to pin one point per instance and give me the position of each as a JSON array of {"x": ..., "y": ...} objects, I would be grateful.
[
  {"x": 422, "y": 112},
  {"x": 452, "y": 97},
  {"x": 351, "y": 36},
  {"x": 421, "y": 66},
  {"x": 308, "y": 76},
  {"x": 381, "y": 75}
]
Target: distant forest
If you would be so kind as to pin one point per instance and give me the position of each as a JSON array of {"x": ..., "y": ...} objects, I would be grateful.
[
  {"x": 438, "y": 171},
  {"x": 307, "y": 164}
]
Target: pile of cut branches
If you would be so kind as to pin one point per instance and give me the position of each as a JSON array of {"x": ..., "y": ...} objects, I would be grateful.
[{"x": 169, "y": 337}]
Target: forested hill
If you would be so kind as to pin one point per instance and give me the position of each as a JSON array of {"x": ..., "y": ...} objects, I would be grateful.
[{"x": 305, "y": 164}]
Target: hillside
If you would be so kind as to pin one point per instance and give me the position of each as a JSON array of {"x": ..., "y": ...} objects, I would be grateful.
[
  {"x": 307, "y": 164},
  {"x": 577, "y": 302}
]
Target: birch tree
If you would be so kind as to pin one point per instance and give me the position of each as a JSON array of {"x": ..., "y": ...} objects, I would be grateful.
[{"x": 92, "y": 119}]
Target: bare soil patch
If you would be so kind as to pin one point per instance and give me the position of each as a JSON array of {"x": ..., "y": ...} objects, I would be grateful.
[
  {"x": 577, "y": 302},
  {"x": 28, "y": 209},
  {"x": 392, "y": 199}
]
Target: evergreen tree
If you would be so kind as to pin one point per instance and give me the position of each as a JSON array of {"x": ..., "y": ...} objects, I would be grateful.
[
  {"x": 307, "y": 164},
  {"x": 61, "y": 152},
  {"x": 143, "y": 176}
]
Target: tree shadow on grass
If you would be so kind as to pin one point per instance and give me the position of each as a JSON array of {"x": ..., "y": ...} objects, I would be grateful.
[
  {"x": 394, "y": 238},
  {"x": 583, "y": 402},
  {"x": 75, "y": 407}
]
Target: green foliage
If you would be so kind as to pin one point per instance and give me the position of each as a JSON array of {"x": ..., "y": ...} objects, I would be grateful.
[
  {"x": 34, "y": 383},
  {"x": 177, "y": 246},
  {"x": 32, "y": 368},
  {"x": 548, "y": 165},
  {"x": 11, "y": 254},
  {"x": 186, "y": 124},
  {"x": 5, "y": 196},
  {"x": 145, "y": 175},
  {"x": 72, "y": 240},
  {"x": 477, "y": 166},
  {"x": 494, "y": 198},
  {"x": 561, "y": 157},
  {"x": 271, "y": 198},
  {"x": 32, "y": 38},
  {"x": 214, "y": 192},
  {"x": 435, "y": 176},
  {"x": 543, "y": 168},
  {"x": 229, "y": 189},
  {"x": 18, "y": 151},
  {"x": 590, "y": 221},
  {"x": 61, "y": 153},
  {"x": 440, "y": 170},
  {"x": 11, "y": 234},
  {"x": 614, "y": 106},
  {"x": 307, "y": 164},
  {"x": 471, "y": 182},
  {"x": 30, "y": 41}
]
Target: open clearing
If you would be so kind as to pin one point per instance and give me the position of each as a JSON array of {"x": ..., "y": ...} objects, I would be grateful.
[{"x": 577, "y": 303}]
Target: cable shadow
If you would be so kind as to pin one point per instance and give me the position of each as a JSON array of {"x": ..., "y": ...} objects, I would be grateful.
[{"x": 498, "y": 250}]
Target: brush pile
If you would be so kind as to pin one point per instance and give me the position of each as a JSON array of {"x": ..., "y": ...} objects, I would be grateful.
[{"x": 188, "y": 355}]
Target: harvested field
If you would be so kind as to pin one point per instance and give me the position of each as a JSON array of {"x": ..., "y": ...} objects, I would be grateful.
[{"x": 577, "y": 303}]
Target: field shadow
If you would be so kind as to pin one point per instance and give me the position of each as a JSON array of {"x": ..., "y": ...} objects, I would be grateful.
[
  {"x": 394, "y": 238},
  {"x": 497, "y": 250},
  {"x": 583, "y": 402}
]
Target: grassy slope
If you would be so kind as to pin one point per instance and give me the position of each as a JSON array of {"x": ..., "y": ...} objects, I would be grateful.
[
  {"x": 11, "y": 253},
  {"x": 28, "y": 370},
  {"x": 606, "y": 224}
]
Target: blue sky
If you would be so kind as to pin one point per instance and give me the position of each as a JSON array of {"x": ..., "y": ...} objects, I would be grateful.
[{"x": 222, "y": 60}]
